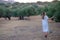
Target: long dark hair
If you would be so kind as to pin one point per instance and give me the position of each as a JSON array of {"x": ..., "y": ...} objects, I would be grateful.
[{"x": 43, "y": 14}]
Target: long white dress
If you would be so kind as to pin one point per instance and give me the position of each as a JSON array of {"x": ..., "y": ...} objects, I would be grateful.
[{"x": 45, "y": 24}]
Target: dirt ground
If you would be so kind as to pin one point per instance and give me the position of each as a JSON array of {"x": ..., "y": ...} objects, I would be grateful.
[{"x": 27, "y": 29}]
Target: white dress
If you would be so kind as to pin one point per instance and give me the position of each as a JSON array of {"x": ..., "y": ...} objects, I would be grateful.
[{"x": 45, "y": 24}]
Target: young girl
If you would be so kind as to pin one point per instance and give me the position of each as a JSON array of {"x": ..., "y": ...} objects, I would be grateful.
[{"x": 45, "y": 24}]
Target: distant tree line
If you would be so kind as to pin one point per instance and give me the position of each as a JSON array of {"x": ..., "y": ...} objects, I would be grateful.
[{"x": 22, "y": 10}]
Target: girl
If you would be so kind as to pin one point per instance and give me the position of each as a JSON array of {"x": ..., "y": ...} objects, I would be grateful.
[{"x": 45, "y": 24}]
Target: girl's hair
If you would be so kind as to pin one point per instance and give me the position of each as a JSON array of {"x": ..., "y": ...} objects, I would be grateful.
[{"x": 43, "y": 14}]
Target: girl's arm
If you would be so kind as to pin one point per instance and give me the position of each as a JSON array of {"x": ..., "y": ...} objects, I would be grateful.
[{"x": 49, "y": 18}]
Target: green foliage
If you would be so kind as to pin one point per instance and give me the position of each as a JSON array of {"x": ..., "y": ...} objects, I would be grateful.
[
  {"x": 53, "y": 9},
  {"x": 57, "y": 12},
  {"x": 17, "y": 10}
]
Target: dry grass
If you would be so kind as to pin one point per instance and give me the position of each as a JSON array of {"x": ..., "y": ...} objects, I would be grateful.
[{"x": 27, "y": 29}]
